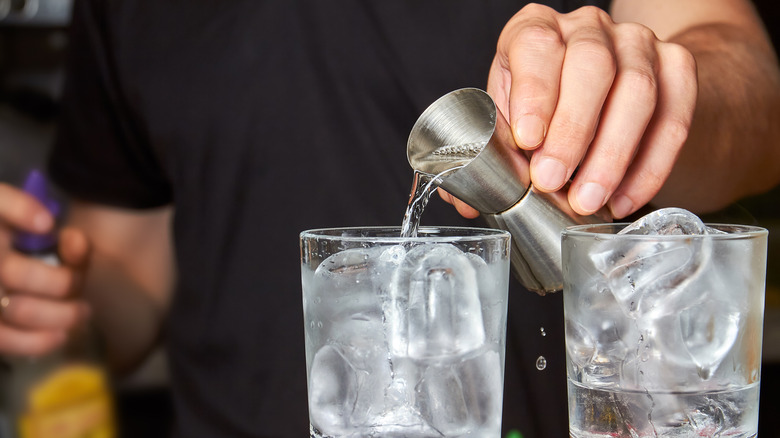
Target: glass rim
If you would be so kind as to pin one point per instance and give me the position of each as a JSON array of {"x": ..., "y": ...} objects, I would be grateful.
[
  {"x": 392, "y": 234},
  {"x": 733, "y": 232}
]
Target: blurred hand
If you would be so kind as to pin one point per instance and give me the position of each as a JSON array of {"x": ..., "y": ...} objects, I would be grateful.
[
  {"x": 583, "y": 92},
  {"x": 38, "y": 305}
]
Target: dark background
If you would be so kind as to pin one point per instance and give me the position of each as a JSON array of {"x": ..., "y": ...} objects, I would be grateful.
[{"x": 32, "y": 51}]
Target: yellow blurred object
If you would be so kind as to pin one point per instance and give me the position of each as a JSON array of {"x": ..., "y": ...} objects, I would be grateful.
[{"x": 74, "y": 402}]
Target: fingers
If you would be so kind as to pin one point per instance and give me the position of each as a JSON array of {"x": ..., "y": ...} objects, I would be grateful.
[
  {"x": 533, "y": 52},
  {"x": 607, "y": 99},
  {"x": 626, "y": 113},
  {"x": 37, "y": 308},
  {"x": 18, "y": 342},
  {"x": 666, "y": 133},
  {"x": 23, "y": 211},
  {"x": 74, "y": 248},
  {"x": 587, "y": 75},
  {"x": 23, "y": 274},
  {"x": 463, "y": 209},
  {"x": 32, "y": 313}
]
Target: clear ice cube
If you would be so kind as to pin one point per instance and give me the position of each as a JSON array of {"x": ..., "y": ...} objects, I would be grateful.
[
  {"x": 458, "y": 397},
  {"x": 685, "y": 321},
  {"x": 348, "y": 287},
  {"x": 345, "y": 313},
  {"x": 344, "y": 383},
  {"x": 710, "y": 330},
  {"x": 434, "y": 308},
  {"x": 649, "y": 278}
]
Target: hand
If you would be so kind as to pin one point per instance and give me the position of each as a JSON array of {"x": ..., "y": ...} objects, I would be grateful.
[
  {"x": 582, "y": 92},
  {"x": 37, "y": 302}
]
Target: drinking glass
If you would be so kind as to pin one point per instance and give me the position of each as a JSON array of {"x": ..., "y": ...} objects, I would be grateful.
[
  {"x": 663, "y": 332},
  {"x": 405, "y": 336}
]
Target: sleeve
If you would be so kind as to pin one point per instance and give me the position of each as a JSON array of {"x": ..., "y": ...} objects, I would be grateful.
[{"x": 101, "y": 152}]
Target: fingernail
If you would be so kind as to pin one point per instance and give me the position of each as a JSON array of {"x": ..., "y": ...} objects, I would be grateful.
[
  {"x": 548, "y": 174},
  {"x": 621, "y": 206},
  {"x": 530, "y": 130},
  {"x": 591, "y": 196}
]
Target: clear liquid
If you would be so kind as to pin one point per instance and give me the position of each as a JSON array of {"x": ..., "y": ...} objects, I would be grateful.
[
  {"x": 424, "y": 186},
  {"x": 456, "y": 157},
  {"x": 602, "y": 413}
]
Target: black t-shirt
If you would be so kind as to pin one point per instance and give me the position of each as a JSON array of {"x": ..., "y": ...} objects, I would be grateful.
[{"x": 257, "y": 120}]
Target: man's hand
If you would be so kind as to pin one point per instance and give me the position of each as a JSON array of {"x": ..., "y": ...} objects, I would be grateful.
[
  {"x": 609, "y": 100},
  {"x": 38, "y": 304},
  {"x": 615, "y": 101}
]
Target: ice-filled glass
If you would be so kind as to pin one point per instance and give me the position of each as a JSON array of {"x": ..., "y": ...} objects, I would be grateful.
[
  {"x": 663, "y": 328},
  {"x": 405, "y": 337}
]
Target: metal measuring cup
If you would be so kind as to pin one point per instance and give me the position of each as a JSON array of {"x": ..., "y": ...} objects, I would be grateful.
[{"x": 465, "y": 129}]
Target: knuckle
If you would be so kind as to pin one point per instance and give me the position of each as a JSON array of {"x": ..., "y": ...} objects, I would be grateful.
[
  {"x": 653, "y": 179},
  {"x": 534, "y": 93},
  {"x": 642, "y": 82},
  {"x": 679, "y": 59},
  {"x": 676, "y": 130},
  {"x": 535, "y": 9},
  {"x": 592, "y": 13},
  {"x": 539, "y": 35},
  {"x": 635, "y": 33},
  {"x": 574, "y": 131},
  {"x": 572, "y": 137},
  {"x": 594, "y": 52},
  {"x": 678, "y": 54}
]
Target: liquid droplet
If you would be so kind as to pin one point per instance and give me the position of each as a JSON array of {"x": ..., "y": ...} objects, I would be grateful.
[
  {"x": 541, "y": 363},
  {"x": 541, "y": 329}
]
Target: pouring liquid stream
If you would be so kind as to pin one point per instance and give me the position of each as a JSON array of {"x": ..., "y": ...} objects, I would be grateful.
[{"x": 424, "y": 186}]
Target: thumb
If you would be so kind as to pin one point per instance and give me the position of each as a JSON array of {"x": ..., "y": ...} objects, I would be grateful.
[{"x": 74, "y": 248}]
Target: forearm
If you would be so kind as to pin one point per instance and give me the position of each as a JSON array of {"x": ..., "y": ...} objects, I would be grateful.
[
  {"x": 733, "y": 148},
  {"x": 129, "y": 280},
  {"x": 127, "y": 318}
]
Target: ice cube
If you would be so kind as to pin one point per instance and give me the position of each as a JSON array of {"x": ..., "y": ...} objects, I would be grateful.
[
  {"x": 458, "y": 397},
  {"x": 580, "y": 346},
  {"x": 349, "y": 286},
  {"x": 434, "y": 308},
  {"x": 599, "y": 337},
  {"x": 649, "y": 278},
  {"x": 658, "y": 360},
  {"x": 400, "y": 415},
  {"x": 710, "y": 329},
  {"x": 666, "y": 221},
  {"x": 493, "y": 304},
  {"x": 343, "y": 310},
  {"x": 344, "y": 383}
]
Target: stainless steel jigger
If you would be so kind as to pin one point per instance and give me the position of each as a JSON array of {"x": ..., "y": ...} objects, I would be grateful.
[{"x": 465, "y": 128}]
